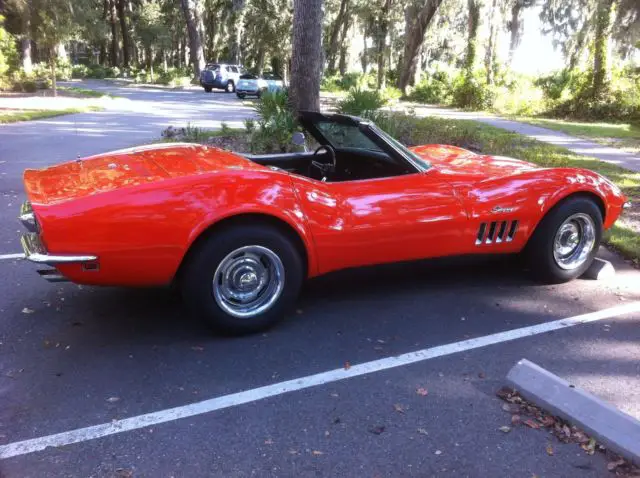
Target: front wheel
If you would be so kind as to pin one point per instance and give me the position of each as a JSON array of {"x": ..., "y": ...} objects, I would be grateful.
[
  {"x": 208, "y": 89},
  {"x": 240, "y": 95},
  {"x": 566, "y": 241},
  {"x": 242, "y": 279},
  {"x": 231, "y": 87}
]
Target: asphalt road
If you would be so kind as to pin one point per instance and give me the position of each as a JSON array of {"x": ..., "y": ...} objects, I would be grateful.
[
  {"x": 134, "y": 116},
  {"x": 73, "y": 357}
]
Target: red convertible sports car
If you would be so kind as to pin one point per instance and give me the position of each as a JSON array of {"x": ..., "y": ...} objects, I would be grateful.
[{"x": 239, "y": 233}]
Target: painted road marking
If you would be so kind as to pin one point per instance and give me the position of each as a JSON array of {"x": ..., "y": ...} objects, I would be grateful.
[
  {"x": 11, "y": 256},
  {"x": 234, "y": 399}
]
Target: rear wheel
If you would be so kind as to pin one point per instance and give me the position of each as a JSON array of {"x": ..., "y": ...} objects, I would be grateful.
[
  {"x": 208, "y": 89},
  {"x": 242, "y": 279},
  {"x": 230, "y": 87},
  {"x": 240, "y": 95},
  {"x": 566, "y": 241}
]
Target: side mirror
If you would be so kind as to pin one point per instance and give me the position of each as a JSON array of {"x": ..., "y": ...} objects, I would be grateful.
[{"x": 298, "y": 138}]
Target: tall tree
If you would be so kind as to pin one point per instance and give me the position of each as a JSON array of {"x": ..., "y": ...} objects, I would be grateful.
[
  {"x": 306, "y": 58},
  {"x": 124, "y": 30},
  {"x": 236, "y": 21},
  {"x": 472, "y": 38},
  {"x": 381, "y": 41},
  {"x": 113, "y": 22},
  {"x": 336, "y": 35},
  {"x": 490, "y": 52},
  {"x": 192, "y": 17},
  {"x": 604, "y": 19},
  {"x": 418, "y": 18},
  {"x": 515, "y": 25}
]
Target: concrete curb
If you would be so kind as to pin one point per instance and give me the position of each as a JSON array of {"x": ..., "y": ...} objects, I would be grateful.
[
  {"x": 599, "y": 270},
  {"x": 618, "y": 431}
]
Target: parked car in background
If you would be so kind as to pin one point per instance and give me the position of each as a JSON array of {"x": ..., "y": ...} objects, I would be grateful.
[
  {"x": 220, "y": 76},
  {"x": 255, "y": 85}
]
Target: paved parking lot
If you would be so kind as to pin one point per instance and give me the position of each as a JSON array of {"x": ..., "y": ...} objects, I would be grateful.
[{"x": 76, "y": 357}]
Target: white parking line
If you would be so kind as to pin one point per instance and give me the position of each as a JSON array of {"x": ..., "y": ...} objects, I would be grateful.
[
  {"x": 234, "y": 399},
  {"x": 11, "y": 256}
]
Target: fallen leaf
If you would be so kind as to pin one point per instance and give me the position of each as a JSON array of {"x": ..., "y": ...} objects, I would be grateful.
[
  {"x": 293, "y": 452},
  {"x": 589, "y": 447},
  {"x": 327, "y": 433},
  {"x": 505, "y": 429},
  {"x": 27, "y": 310},
  {"x": 549, "y": 449},
  {"x": 612, "y": 465},
  {"x": 377, "y": 430},
  {"x": 334, "y": 395},
  {"x": 510, "y": 407},
  {"x": 268, "y": 441},
  {"x": 423, "y": 431},
  {"x": 481, "y": 375},
  {"x": 347, "y": 365},
  {"x": 422, "y": 391},
  {"x": 548, "y": 421},
  {"x": 113, "y": 399},
  {"x": 515, "y": 419},
  {"x": 438, "y": 452},
  {"x": 317, "y": 453},
  {"x": 123, "y": 473},
  {"x": 197, "y": 348},
  {"x": 398, "y": 408},
  {"x": 532, "y": 424}
]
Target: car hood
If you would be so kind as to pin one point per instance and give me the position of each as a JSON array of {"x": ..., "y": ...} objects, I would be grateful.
[
  {"x": 459, "y": 163},
  {"x": 125, "y": 168}
]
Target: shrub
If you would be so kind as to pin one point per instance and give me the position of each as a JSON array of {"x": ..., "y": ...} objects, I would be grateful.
[
  {"x": 470, "y": 92},
  {"x": 360, "y": 102},
  {"x": 79, "y": 71},
  {"x": 434, "y": 89},
  {"x": 273, "y": 130},
  {"x": 348, "y": 81}
]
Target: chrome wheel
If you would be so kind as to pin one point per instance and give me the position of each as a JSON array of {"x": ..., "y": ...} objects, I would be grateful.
[
  {"x": 574, "y": 241},
  {"x": 248, "y": 281}
]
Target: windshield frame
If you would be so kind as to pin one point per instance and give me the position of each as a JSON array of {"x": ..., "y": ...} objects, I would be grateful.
[{"x": 395, "y": 150}]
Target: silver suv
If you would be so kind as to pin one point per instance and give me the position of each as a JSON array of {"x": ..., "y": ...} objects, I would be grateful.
[{"x": 221, "y": 76}]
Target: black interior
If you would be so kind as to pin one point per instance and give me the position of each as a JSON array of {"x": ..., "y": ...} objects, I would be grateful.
[{"x": 352, "y": 164}]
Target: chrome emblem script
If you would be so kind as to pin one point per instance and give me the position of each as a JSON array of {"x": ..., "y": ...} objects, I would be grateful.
[{"x": 498, "y": 209}]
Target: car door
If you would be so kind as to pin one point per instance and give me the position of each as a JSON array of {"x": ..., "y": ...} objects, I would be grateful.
[{"x": 400, "y": 218}]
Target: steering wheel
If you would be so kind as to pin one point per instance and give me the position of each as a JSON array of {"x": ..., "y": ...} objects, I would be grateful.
[{"x": 325, "y": 168}]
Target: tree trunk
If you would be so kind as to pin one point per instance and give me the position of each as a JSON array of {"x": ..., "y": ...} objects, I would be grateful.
[
  {"x": 337, "y": 35},
  {"x": 417, "y": 23},
  {"x": 236, "y": 22},
  {"x": 54, "y": 83},
  {"x": 364, "y": 56},
  {"x": 25, "y": 42},
  {"x": 472, "y": 40},
  {"x": 113, "y": 58},
  {"x": 306, "y": 60},
  {"x": 604, "y": 19},
  {"x": 344, "y": 48},
  {"x": 124, "y": 30},
  {"x": 192, "y": 18},
  {"x": 381, "y": 46},
  {"x": 490, "y": 53}
]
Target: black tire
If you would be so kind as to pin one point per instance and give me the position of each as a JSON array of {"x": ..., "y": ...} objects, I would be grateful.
[
  {"x": 231, "y": 87},
  {"x": 539, "y": 251},
  {"x": 240, "y": 95},
  {"x": 208, "y": 89},
  {"x": 197, "y": 276}
]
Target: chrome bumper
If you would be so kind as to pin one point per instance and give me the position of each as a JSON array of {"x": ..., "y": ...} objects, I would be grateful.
[{"x": 35, "y": 252}]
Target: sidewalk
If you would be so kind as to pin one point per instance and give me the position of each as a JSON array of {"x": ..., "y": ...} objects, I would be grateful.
[{"x": 577, "y": 145}]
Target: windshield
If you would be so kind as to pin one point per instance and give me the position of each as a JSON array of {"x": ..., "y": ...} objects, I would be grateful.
[
  {"x": 342, "y": 135},
  {"x": 406, "y": 151}
]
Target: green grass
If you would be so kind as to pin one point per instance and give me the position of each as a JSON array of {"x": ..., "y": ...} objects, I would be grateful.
[
  {"x": 194, "y": 134},
  {"x": 620, "y": 135},
  {"x": 83, "y": 92},
  {"x": 490, "y": 140},
  {"x": 30, "y": 115}
]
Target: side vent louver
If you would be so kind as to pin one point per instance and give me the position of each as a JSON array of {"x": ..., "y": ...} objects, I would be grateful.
[{"x": 498, "y": 231}]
